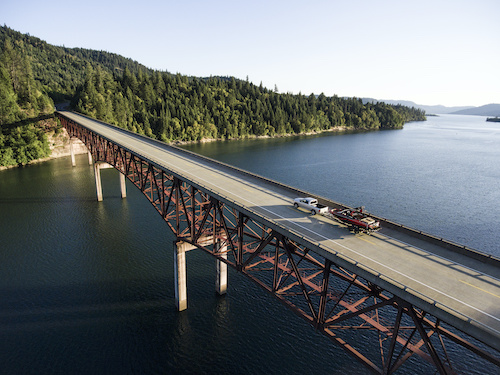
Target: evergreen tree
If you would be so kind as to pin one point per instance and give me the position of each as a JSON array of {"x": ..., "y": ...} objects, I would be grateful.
[
  {"x": 9, "y": 110},
  {"x": 20, "y": 98}
]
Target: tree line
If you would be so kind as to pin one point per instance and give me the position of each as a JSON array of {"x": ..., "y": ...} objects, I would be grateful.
[
  {"x": 165, "y": 106},
  {"x": 181, "y": 108},
  {"x": 60, "y": 70},
  {"x": 21, "y": 98}
]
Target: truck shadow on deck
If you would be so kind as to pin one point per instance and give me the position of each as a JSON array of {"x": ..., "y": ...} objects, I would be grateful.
[{"x": 314, "y": 228}]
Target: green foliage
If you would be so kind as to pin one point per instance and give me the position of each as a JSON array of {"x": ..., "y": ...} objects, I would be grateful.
[
  {"x": 21, "y": 98},
  {"x": 9, "y": 110},
  {"x": 61, "y": 70},
  {"x": 180, "y": 108},
  {"x": 22, "y": 144},
  {"x": 160, "y": 105}
]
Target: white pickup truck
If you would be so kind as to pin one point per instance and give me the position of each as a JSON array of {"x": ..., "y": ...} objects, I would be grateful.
[
  {"x": 356, "y": 219},
  {"x": 310, "y": 204}
]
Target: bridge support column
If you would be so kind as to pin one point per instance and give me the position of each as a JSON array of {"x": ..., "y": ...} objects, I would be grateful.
[
  {"x": 180, "y": 249},
  {"x": 123, "y": 188},
  {"x": 98, "y": 184},
  {"x": 72, "y": 152},
  {"x": 221, "y": 282},
  {"x": 90, "y": 158}
]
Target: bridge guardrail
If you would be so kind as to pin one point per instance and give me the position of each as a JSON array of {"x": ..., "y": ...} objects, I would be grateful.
[
  {"x": 380, "y": 276},
  {"x": 370, "y": 273},
  {"x": 461, "y": 249}
]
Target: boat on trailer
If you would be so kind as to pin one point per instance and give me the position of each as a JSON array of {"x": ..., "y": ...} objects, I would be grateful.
[{"x": 356, "y": 219}]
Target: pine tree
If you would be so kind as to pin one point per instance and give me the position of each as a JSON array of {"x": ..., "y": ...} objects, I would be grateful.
[{"x": 9, "y": 110}]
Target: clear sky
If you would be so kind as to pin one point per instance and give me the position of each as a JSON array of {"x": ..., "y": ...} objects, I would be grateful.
[{"x": 428, "y": 51}]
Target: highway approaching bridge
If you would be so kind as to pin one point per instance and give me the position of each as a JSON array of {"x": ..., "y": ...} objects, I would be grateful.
[{"x": 413, "y": 293}]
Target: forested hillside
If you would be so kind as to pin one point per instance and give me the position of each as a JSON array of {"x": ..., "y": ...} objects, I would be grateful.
[
  {"x": 175, "y": 107},
  {"x": 21, "y": 98},
  {"x": 168, "y": 107},
  {"x": 61, "y": 70}
]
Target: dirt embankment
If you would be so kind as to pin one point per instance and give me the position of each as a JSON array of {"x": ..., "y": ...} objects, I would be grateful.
[{"x": 59, "y": 144}]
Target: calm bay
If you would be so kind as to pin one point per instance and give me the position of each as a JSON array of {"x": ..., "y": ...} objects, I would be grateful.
[{"x": 87, "y": 287}]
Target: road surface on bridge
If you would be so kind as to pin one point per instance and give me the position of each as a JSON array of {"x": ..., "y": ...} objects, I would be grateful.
[{"x": 458, "y": 289}]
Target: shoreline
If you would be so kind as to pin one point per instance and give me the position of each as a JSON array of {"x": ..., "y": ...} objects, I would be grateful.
[
  {"x": 60, "y": 143},
  {"x": 338, "y": 129}
]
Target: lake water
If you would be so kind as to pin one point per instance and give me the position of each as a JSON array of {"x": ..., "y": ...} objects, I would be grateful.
[
  {"x": 441, "y": 176},
  {"x": 87, "y": 287}
]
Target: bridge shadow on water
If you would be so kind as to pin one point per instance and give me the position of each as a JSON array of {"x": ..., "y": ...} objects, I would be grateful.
[
  {"x": 79, "y": 304},
  {"x": 47, "y": 200}
]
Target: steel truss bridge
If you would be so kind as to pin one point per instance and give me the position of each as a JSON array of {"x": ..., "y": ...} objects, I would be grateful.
[{"x": 410, "y": 295}]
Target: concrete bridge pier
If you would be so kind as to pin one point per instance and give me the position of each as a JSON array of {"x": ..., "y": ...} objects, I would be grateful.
[
  {"x": 72, "y": 151},
  {"x": 180, "y": 249},
  {"x": 123, "y": 188},
  {"x": 221, "y": 282},
  {"x": 98, "y": 185}
]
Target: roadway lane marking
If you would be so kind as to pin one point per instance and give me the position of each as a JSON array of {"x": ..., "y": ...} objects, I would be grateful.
[
  {"x": 347, "y": 248},
  {"x": 311, "y": 231},
  {"x": 481, "y": 289},
  {"x": 439, "y": 256},
  {"x": 366, "y": 240}
]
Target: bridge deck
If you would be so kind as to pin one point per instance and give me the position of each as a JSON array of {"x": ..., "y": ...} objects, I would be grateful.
[{"x": 453, "y": 287}]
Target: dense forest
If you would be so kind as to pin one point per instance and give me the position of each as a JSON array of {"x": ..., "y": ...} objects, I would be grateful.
[
  {"x": 21, "y": 99},
  {"x": 176, "y": 107},
  {"x": 60, "y": 70},
  {"x": 161, "y": 105}
]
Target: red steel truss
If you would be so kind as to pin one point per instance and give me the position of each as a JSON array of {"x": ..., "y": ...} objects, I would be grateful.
[{"x": 354, "y": 313}]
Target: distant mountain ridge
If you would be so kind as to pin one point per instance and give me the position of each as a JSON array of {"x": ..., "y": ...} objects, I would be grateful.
[{"x": 484, "y": 110}]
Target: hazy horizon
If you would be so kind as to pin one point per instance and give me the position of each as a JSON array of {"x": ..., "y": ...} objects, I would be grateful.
[{"x": 425, "y": 52}]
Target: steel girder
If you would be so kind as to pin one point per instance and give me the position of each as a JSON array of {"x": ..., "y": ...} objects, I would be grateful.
[{"x": 354, "y": 313}]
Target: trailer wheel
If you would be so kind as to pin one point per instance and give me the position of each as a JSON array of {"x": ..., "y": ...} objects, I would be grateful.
[
  {"x": 296, "y": 205},
  {"x": 313, "y": 212}
]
